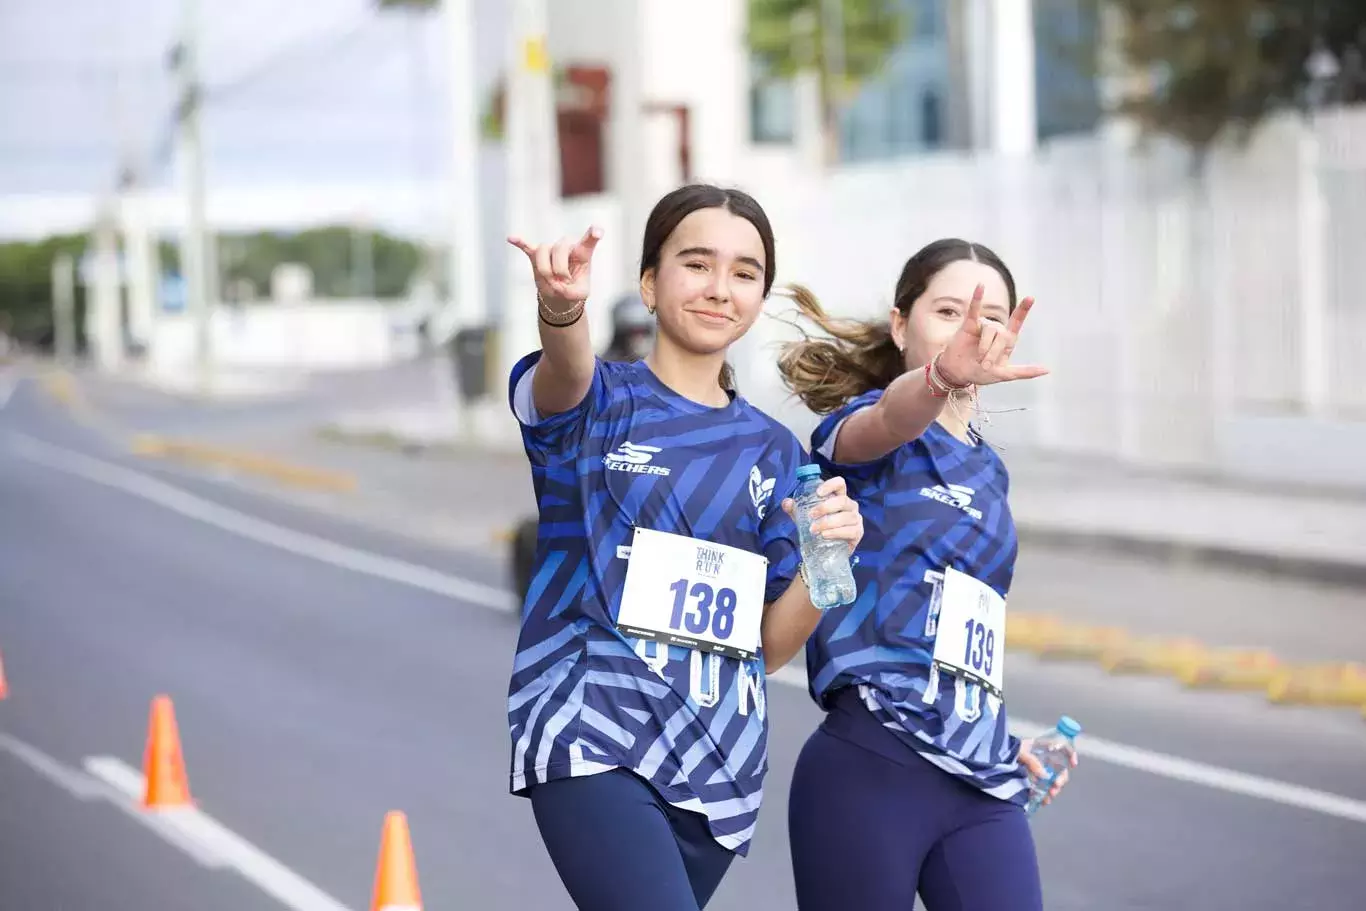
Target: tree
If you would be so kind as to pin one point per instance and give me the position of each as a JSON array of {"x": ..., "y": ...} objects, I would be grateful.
[
  {"x": 328, "y": 252},
  {"x": 1211, "y": 66},
  {"x": 26, "y": 285},
  {"x": 845, "y": 41}
]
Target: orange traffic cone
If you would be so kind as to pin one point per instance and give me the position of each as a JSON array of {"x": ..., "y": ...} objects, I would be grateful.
[
  {"x": 4, "y": 687},
  {"x": 396, "y": 879},
  {"x": 163, "y": 765}
]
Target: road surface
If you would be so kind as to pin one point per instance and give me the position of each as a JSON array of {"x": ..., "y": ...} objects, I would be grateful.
[{"x": 324, "y": 673}]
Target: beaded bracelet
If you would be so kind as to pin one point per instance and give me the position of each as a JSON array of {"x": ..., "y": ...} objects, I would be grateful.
[
  {"x": 558, "y": 320},
  {"x": 939, "y": 387}
]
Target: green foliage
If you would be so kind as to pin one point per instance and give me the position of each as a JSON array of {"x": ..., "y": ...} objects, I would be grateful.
[
  {"x": 787, "y": 36},
  {"x": 26, "y": 269},
  {"x": 26, "y": 283},
  {"x": 1217, "y": 65},
  {"x": 329, "y": 252}
]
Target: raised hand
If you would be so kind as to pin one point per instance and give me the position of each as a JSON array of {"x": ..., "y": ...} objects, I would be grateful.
[
  {"x": 979, "y": 352},
  {"x": 562, "y": 269}
]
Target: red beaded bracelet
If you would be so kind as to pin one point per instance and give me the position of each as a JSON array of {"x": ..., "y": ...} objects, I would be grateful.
[{"x": 939, "y": 387}]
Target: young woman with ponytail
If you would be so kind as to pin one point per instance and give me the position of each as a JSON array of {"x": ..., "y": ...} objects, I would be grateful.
[{"x": 913, "y": 783}]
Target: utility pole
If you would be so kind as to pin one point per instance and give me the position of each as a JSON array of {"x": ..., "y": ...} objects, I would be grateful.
[
  {"x": 193, "y": 249},
  {"x": 139, "y": 252},
  {"x": 533, "y": 172},
  {"x": 628, "y": 175},
  {"x": 104, "y": 292},
  {"x": 362, "y": 257},
  {"x": 833, "y": 76},
  {"x": 141, "y": 265},
  {"x": 64, "y": 308},
  {"x": 469, "y": 304}
]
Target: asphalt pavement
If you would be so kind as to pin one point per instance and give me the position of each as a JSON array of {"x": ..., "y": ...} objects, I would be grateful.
[{"x": 325, "y": 672}]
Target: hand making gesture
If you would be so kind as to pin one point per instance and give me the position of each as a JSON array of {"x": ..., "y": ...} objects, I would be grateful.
[
  {"x": 979, "y": 352},
  {"x": 562, "y": 269}
]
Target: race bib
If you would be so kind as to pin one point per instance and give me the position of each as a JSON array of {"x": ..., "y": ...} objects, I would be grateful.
[
  {"x": 692, "y": 593},
  {"x": 970, "y": 640}
]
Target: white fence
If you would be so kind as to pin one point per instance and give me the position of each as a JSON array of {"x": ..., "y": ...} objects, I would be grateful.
[
  {"x": 313, "y": 335},
  {"x": 1214, "y": 325}
]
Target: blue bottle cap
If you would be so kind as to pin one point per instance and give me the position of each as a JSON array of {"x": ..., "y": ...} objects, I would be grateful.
[
  {"x": 808, "y": 471},
  {"x": 1069, "y": 726}
]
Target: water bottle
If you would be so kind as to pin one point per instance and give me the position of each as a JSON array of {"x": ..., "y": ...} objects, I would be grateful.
[
  {"x": 1054, "y": 750},
  {"x": 829, "y": 575}
]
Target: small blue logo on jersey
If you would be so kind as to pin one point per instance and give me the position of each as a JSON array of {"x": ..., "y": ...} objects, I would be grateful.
[
  {"x": 760, "y": 490},
  {"x": 635, "y": 459}
]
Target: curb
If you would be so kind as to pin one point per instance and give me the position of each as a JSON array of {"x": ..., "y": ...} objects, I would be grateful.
[
  {"x": 1339, "y": 685},
  {"x": 152, "y": 446},
  {"x": 1190, "y": 663},
  {"x": 379, "y": 439},
  {"x": 1330, "y": 570},
  {"x": 62, "y": 386},
  {"x": 1318, "y": 569},
  {"x": 1194, "y": 665},
  {"x": 1230, "y": 670}
]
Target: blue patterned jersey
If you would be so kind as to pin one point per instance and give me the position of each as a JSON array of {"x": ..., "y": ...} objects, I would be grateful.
[
  {"x": 931, "y": 503},
  {"x": 585, "y": 698}
]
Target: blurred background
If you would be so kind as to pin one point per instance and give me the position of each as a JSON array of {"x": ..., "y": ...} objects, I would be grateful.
[
  {"x": 328, "y": 186},
  {"x": 257, "y": 249}
]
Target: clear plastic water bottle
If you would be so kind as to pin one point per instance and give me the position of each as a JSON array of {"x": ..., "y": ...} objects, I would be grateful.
[
  {"x": 829, "y": 574},
  {"x": 1054, "y": 750}
]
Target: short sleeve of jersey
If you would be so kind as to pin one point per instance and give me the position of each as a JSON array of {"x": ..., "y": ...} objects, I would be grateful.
[
  {"x": 777, "y": 531},
  {"x": 558, "y": 431},
  {"x": 824, "y": 436}
]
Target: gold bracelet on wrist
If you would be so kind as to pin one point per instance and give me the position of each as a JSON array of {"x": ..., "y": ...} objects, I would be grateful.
[{"x": 558, "y": 320}]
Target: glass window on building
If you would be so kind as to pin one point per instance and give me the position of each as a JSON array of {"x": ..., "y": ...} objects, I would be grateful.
[
  {"x": 1067, "y": 94},
  {"x": 931, "y": 119},
  {"x": 772, "y": 112},
  {"x": 887, "y": 118}
]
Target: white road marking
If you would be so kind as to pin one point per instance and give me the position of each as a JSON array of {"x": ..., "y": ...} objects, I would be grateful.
[
  {"x": 1176, "y": 768},
  {"x": 83, "y": 787},
  {"x": 238, "y": 523},
  {"x": 140, "y": 485},
  {"x": 197, "y": 828},
  {"x": 68, "y": 779}
]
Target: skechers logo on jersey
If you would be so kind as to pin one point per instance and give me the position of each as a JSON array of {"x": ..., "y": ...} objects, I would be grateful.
[
  {"x": 955, "y": 495},
  {"x": 634, "y": 459}
]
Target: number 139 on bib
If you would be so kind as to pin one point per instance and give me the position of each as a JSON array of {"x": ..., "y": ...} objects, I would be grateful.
[{"x": 970, "y": 637}]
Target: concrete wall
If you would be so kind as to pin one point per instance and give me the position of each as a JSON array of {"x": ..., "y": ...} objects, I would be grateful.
[{"x": 317, "y": 335}]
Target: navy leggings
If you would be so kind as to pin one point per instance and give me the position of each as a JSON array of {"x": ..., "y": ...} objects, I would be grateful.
[
  {"x": 869, "y": 831},
  {"x": 618, "y": 846}
]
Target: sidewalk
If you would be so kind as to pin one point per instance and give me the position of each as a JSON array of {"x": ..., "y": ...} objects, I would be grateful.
[
  {"x": 409, "y": 471},
  {"x": 1116, "y": 567},
  {"x": 1057, "y": 501}
]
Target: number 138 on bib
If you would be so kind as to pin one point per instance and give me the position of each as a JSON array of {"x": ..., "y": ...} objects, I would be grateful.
[{"x": 697, "y": 594}]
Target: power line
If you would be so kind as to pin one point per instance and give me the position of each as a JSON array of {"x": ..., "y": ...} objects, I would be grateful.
[{"x": 299, "y": 51}]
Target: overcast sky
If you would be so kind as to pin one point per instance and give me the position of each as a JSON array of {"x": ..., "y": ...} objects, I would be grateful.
[{"x": 308, "y": 90}]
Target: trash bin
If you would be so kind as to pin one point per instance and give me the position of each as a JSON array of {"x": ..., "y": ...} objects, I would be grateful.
[
  {"x": 469, "y": 350},
  {"x": 524, "y": 556}
]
